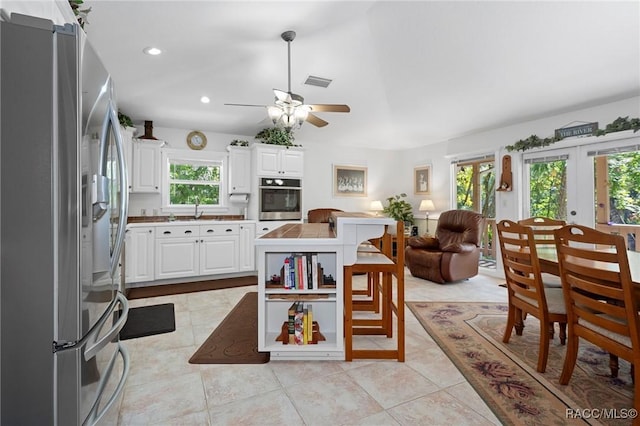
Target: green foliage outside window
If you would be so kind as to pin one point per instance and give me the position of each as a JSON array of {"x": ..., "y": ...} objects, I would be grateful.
[
  {"x": 624, "y": 188},
  {"x": 465, "y": 186},
  {"x": 194, "y": 183},
  {"x": 548, "y": 189}
]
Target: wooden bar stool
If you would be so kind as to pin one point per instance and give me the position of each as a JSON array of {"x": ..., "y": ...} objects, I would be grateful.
[
  {"x": 369, "y": 299},
  {"x": 379, "y": 265}
]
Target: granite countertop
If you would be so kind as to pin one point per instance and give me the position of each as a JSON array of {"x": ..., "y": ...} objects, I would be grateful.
[{"x": 185, "y": 218}]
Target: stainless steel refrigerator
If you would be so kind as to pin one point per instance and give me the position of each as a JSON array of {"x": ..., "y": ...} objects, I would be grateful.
[{"x": 63, "y": 211}]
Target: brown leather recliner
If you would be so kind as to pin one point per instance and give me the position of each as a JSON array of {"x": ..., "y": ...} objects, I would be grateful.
[
  {"x": 320, "y": 215},
  {"x": 453, "y": 253}
]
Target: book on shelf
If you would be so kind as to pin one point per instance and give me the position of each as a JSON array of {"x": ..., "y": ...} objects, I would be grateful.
[
  {"x": 298, "y": 324},
  {"x": 309, "y": 324},
  {"x": 301, "y": 271},
  {"x": 308, "y": 272},
  {"x": 305, "y": 325},
  {"x": 291, "y": 320},
  {"x": 314, "y": 271}
]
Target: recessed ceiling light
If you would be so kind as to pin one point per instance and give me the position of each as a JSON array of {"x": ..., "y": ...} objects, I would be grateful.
[
  {"x": 205, "y": 100},
  {"x": 152, "y": 51}
]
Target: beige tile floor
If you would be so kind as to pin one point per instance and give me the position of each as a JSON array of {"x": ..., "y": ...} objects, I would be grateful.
[{"x": 164, "y": 389}]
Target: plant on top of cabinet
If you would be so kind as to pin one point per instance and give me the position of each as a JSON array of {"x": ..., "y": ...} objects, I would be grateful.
[
  {"x": 124, "y": 119},
  {"x": 276, "y": 136},
  {"x": 237, "y": 142},
  {"x": 81, "y": 14}
]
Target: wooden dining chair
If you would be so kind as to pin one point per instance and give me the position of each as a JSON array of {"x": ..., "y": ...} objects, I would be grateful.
[
  {"x": 600, "y": 295},
  {"x": 543, "y": 228},
  {"x": 526, "y": 292}
]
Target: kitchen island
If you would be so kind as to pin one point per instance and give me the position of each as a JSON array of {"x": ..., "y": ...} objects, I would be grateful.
[{"x": 303, "y": 264}]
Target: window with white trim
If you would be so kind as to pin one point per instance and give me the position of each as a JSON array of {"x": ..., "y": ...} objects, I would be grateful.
[{"x": 190, "y": 180}]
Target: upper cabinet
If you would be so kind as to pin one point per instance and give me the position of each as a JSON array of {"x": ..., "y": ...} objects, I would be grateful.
[
  {"x": 279, "y": 161},
  {"x": 239, "y": 170},
  {"x": 145, "y": 170}
]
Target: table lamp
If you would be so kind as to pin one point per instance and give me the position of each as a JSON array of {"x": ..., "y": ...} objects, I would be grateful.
[
  {"x": 427, "y": 206},
  {"x": 376, "y": 206}
]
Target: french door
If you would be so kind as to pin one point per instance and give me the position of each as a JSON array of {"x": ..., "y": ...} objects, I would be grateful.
[{"x": 558, "y": 183}]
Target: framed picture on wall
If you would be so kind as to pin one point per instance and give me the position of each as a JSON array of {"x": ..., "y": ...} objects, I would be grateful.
[
  {"x": 349, "y": 181},
  {"x": 422, "y": 180}
]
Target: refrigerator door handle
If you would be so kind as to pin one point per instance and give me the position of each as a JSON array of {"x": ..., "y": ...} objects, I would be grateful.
[
  {"x": 94, "y": 417},
  {"x": 91, "y": 351},
  {"x": 124, "y": 189}
]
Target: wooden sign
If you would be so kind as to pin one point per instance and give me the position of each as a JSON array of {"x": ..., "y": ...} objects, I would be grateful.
[{"x": 586, "y": 129}]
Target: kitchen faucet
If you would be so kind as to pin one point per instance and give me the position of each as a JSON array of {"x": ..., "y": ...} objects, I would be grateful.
[{"x": 196, "y": 214}]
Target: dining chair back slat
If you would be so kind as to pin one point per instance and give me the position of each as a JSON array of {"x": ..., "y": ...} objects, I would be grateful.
[
  {"x": 526, "y": 292},
  {"x": 543, "y": 228},
  {"x": 600, "y": 295}
]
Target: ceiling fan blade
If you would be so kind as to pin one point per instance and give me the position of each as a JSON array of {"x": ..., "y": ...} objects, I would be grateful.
[
  {"x": 330, "y": 108},
  {"x": 281, "y": 95},
  {"x": 316, "y": 121},
  {"x": 249, "y": 105}
]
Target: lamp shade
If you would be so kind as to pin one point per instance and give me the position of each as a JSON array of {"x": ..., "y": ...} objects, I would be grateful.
[
  {"x": 376, "y": 206},
  {"x": 426, "y": 206}
]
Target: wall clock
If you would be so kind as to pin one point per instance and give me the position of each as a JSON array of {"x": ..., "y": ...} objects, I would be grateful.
[{"x": 196, "y": 140}]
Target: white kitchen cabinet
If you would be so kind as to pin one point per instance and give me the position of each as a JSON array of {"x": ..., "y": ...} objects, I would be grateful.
[
  {"x": 145, "y": 170},
  {"x": 239, "y": 170},
  {"x": 247, "y": 247},
  {"x": 279, "y": 161},
  {"x": 177, "y": 251},
  {"x": 199, "y": 250},
  {"x": 219, "y": 249},
  {"x": 127, "y": 141},
  {"x": 139, "y": 254}
]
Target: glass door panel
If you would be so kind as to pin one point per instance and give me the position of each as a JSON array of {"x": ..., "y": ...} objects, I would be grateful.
[{"x": 550, "y": 185}]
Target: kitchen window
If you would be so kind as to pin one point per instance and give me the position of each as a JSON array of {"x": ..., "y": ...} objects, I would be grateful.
[{"x": 190, "y": 181}]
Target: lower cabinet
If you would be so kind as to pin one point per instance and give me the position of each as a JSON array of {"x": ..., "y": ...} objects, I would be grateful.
[
  {"x": 247, "y": 247},
  {"x": 177, "y": 257},
  {"x": 139, "y": 254},
  {"x": 219, "y": 249},
  {"x": 163, "y": 251},
  {"x": 195, "y": 250}
]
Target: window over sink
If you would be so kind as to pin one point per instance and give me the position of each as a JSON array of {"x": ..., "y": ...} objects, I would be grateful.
[{"x": 191, "y": 180}]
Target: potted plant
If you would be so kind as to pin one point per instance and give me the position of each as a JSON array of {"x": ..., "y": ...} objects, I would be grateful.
[
  {"x": 238, "y": 142},
  {"x": 276, "y": 136},
  {"x": 399, "y": 209},
  {"x": 124, "y": 120}
]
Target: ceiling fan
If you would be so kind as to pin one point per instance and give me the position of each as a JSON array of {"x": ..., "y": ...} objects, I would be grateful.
[{"x": 289, "y": 110}]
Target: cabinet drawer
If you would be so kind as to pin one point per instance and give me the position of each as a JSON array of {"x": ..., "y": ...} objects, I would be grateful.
[
  {"x": 172, "y": 231},
  {"x": 219, "y": 229}
]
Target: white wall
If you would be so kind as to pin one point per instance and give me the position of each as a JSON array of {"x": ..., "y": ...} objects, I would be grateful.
[
  {"x": 391, "y": 172},
  {"x": 508, "y": 204}
]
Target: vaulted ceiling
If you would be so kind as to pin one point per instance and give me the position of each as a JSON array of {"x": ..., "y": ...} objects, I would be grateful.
[{"x": 414, "y": 73}]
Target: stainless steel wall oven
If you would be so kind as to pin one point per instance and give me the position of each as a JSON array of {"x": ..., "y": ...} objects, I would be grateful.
[{"x": 280, "y": 199}]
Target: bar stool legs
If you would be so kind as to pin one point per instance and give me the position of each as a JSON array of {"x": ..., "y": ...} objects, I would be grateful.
[{"x": 380, "y": 270}]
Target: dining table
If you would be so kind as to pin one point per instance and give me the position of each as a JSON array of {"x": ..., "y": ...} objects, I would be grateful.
[{"x": 548, "y": 259}]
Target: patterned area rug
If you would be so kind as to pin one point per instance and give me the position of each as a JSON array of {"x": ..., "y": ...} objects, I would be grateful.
[{"x": 505, "y": 375}]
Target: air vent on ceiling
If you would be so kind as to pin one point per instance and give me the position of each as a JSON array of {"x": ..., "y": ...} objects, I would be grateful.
[{"x": 317, "y": 81}]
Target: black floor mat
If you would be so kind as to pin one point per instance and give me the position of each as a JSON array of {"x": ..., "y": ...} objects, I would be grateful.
[{"x": 149, "y": 320}]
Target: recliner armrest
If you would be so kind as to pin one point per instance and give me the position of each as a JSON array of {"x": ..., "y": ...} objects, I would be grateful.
[
  {"x": 459, "y": 248},
  {"x": 423, "y": 242}
]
